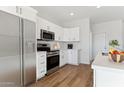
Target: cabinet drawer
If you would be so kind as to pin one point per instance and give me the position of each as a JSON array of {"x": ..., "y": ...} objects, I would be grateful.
[
  {"x": 41, "y": 74},
  {"x": 41, "y": 71},
  {"x": 42, "y": 57},
  {"x": 41, "y": 61},
  {"x": 41, "y": 66}
]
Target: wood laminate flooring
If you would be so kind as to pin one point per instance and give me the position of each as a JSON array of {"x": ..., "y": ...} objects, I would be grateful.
[{"x": 68, "y": 76}]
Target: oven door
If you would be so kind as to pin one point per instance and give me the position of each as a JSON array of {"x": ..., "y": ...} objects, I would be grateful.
[{"x": 52, "y": 61}]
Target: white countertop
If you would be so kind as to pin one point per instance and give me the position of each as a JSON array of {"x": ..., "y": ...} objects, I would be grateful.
[{"x": 104, "y": 63}]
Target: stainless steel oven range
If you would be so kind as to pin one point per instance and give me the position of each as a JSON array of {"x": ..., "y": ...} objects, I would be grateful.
[{"x": 52, "y": 61}]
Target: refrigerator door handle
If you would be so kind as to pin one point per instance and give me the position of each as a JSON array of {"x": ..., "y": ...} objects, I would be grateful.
[
  {"x": 21, "y": 48},
  {"x": 34, "y": 48},
  {"x": 31, "y": 44}
]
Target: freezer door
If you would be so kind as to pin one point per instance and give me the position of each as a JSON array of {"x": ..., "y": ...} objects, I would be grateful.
[
  {"x": 29, "y": 51},
  {"x": 10, "y": 60}
]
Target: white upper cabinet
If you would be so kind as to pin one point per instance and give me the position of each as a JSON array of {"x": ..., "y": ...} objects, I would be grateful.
[
  {"x": 61, "y": 34},
  {"x": 75, "y": 34},
  {"x": 28, "y": 13},
  {"x": 71, "y": 34},
  {"x": 21, "y": 11},
  {"x": 42, "y": 24},
  {"x": 58, "y": 33},
  {"x": 46, "y": 25},
  {"x": 66, "y": 35}
]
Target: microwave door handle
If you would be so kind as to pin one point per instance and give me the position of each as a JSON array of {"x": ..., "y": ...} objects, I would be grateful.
[{"x": 41, "y": 34}]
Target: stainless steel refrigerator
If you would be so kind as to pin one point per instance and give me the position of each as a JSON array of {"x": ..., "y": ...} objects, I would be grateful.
[{"x": 17, "y": 50}]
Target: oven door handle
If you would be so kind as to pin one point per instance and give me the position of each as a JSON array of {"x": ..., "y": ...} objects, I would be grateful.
[{"x": 52, "y": 55}]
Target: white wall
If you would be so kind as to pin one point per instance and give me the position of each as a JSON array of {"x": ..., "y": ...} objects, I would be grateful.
[
  {"x": 113, "y": 30},
  {"x": 84, "y": 44}
]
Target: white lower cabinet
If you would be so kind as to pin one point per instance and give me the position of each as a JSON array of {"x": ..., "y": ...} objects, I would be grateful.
[
  {"x": 108, "y": 77},
  {"x": 73, "y": 57},
  {"x": 41, "y": 64},
  {"x": 63, "y": 58},
  {"x": 68, "y": 57}
]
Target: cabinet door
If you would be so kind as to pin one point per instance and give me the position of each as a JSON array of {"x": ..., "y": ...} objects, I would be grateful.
[
  {"x": 67, "y": 35},
  {"x": 58, "y": 33},
  {"x": 77, "y": 32},
  {"x": 71, "y": 34},
  {"x": 73, "y": 57},
  {"x": 41, "y": 64},
  {"x": 63, "y": 57},
  {"x": 74, "y": 34},
  {"x": 70, "y": 56},
  {"x": 41, "y": 24},
  {"x": 28, "y": 13}
]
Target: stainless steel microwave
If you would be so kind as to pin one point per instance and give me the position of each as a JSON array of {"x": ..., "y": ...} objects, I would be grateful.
[{"x": 47, "y": 35}]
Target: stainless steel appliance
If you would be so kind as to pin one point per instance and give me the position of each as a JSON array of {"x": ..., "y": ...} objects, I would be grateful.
[
  {"x": 47, "y": 35},
  {"x": 52, "y": 61},
  {"x": 17, "y": 51},
  {"x": 52, "y": 57},
  {"x": 43, "y": 47}
]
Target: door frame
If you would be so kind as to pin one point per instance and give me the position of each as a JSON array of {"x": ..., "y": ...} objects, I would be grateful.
[{"x": 94, "y": 33}]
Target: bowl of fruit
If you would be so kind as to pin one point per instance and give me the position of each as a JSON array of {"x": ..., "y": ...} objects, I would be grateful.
[{"x": 116, "y": 55}]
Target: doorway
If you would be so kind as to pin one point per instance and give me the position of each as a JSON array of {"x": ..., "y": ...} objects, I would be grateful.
[{"x": 99, "y": 43}]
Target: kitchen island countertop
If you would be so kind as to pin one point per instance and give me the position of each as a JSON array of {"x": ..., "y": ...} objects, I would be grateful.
[{"x": 105, "y": 63}]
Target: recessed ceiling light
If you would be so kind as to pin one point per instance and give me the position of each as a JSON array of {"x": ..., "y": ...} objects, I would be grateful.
[{"x": 71, "y": 14}]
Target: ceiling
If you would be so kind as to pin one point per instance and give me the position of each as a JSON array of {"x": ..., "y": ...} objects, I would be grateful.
[{"x": 61, "y": 14}]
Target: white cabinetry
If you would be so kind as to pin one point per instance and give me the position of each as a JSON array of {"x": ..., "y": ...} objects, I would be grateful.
[
  {"x": 71, "y": 34},
  {"x": 41, "y": 64},
  {"x": 73, "y": 57},
  {"x": 75, "y": 34},
  {"x": 61, "y": 34},
  {"x": 107, "y": 73},
  {"x": 58, "y": 33},
  {"x": 63, "y": 57},
  {"x": 66, "y": 35},
  {"x": 68, "y": 57},
  {"x": 104, "y": 77},
  {"x": 46, "y": 25},
  {"x": 28, "y": 13},
  {"x": 24, "y": 11}
]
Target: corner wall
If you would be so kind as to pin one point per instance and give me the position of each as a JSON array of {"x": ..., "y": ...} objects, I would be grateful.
[{"x": 85, "y": 40}]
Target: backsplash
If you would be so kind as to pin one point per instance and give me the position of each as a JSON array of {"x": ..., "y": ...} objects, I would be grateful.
[{"x": 61, "y": 45}]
